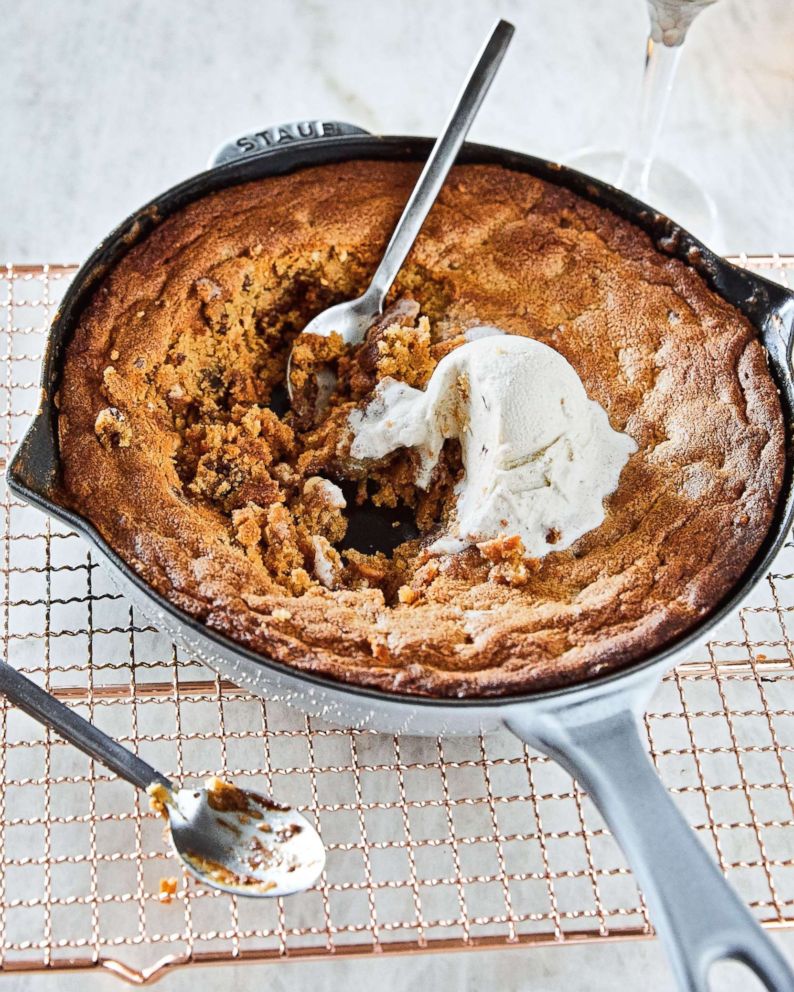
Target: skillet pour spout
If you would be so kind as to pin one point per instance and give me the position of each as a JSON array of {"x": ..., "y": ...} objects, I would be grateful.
[{"x": 591, "y": 728}]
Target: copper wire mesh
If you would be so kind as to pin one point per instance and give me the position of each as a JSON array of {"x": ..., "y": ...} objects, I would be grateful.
[{"x": 453, "y": 843}]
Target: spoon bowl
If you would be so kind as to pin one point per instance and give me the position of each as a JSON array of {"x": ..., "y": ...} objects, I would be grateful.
[
  {"x": 254, "y": 847},
  {"x": 350, "y": 319}
]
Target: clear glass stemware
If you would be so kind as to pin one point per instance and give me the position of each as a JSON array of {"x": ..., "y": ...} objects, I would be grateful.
[{"x": 637, "y": 169}]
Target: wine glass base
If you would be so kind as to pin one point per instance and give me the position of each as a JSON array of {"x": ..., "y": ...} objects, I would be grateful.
[{"x": 670, "y": 191}]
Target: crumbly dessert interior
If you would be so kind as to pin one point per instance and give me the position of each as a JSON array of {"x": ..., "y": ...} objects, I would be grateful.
[
  {"x": 277, "y": 474},
  {"x": 178, "y": 441}
]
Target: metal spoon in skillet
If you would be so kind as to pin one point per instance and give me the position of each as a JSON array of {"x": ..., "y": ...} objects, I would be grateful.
[
  {"x": 232, "y": 839},
  {"x": 352, "y": 318}
]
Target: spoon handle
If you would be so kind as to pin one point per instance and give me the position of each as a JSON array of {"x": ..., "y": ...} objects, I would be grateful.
[
  {"x": 46, "y": 709},
  {"x": 441, "y": 159}
]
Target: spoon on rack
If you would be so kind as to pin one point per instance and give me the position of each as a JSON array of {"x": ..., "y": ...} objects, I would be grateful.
[
  {"x": 352, "y": 318},
  {"x": 233, "y": 839}
]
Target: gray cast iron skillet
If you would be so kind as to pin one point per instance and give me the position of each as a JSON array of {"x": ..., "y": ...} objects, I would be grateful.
[{"x": 593, "y": 729}]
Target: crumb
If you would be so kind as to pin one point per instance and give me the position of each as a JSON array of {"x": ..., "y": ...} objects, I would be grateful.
[
  {"x": 404, "y": 353},
  {"x": 423, "y": 577},
  {"x": 112, "y": 428},
  {"x": 284, "y": 556},
  {"x": 327, "y": 562},
  {"x": 320, "y": 509},
  {"x": 407, "y": 595},
  {"x": 159, "y": 797},
  {"x": 207, "y": 290},
  {"x": 510, "y": 565},
  {"x": 310, "y": 353},
  {"x": 366, "y": 570},
  {"x": 247, "y": 524},
  {"x": 167, "y": 889},
  {"x": 281, "y": 614},
  {"x": 398, "y": 345}
]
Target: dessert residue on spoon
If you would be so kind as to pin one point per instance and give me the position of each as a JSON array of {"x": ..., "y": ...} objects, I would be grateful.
[{"x": 239, "y": 840}]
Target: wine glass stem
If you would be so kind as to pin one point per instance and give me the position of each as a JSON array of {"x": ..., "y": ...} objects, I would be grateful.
[{"x": 661, "y": 63}]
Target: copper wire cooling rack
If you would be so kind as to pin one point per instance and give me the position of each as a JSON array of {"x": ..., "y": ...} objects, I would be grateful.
[{"x": 432, "y": 843}]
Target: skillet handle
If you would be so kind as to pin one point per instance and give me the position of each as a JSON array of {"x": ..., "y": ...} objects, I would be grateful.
[{"x": 697, "y": 915}]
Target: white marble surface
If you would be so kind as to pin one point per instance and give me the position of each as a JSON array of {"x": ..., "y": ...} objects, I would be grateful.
[{"x": 105, "y": 104}]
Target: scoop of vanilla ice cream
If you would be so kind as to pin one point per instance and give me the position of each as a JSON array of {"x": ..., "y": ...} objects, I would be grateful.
[{"x": 539, "y": 456}]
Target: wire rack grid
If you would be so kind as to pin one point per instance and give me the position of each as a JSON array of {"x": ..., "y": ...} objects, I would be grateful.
[{"x": 432, "y": 843}]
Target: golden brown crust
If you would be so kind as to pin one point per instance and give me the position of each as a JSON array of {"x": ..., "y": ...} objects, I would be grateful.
[{"x": 674, "y": 366}]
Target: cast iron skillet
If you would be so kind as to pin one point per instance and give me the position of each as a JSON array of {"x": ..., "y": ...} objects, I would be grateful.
[{"x": 593, "y": 729}]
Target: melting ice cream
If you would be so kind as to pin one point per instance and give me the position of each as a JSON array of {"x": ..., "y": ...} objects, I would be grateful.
[{"x": 539, "y": 456}]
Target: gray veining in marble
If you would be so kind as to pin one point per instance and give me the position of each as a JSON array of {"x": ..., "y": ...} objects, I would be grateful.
[{"x": 104, "y": 104}]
